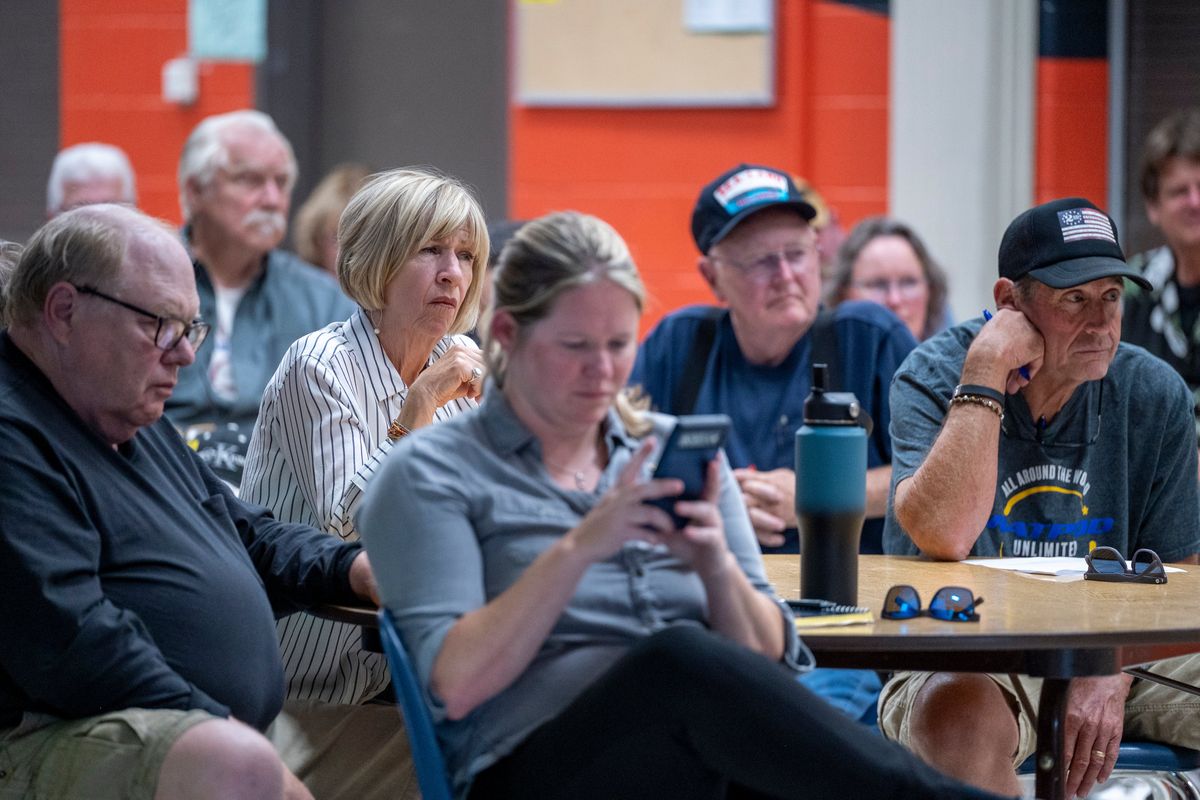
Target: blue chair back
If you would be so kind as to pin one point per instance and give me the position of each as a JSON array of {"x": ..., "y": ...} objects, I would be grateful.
[
  {"x": 1143, "y": 756},
  {"x": 427, "y": 756}
]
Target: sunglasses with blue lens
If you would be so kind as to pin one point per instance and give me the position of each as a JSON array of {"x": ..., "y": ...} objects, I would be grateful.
[{"x": 950, "y": 603}]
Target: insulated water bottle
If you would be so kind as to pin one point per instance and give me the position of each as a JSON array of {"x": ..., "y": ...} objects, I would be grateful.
[{"x": 831, "y": 492}]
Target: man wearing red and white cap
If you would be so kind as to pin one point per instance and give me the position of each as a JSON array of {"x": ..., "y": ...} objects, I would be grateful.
[{"x": 753, "y": 358}]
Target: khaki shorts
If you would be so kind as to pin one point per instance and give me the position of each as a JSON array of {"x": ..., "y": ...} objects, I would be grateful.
[
  {"x": 1152, "y": 711},
  {"x": 116, "y": 755}
]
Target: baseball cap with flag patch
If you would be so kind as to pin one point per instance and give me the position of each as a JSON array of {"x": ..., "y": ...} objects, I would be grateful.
[
  {"x": 736, "y": 194},
  {"x": 1064, "y": 243}
]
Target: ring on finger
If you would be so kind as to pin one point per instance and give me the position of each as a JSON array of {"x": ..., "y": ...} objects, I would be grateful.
[
  {"x": 1100, "y": 755},
  {"x": 476, "y": 374}
]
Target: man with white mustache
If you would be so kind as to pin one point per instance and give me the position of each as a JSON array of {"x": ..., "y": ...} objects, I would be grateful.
[{"x": 236, "y": 175}]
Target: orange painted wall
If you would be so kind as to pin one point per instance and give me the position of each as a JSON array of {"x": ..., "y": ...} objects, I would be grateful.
[
  {"x": 110, "y": 87},
  {"x": 1072, "y": 129},
  {"x": 640, "y": 169}
]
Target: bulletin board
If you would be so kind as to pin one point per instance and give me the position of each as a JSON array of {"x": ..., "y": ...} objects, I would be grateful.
[{"x": 636, "y": 53}]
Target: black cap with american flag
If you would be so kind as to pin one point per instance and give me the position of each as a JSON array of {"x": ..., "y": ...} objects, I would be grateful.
[{"x": 1064, "y": 243}]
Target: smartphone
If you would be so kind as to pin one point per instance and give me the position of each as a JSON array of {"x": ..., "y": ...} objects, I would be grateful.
[{"x": 693, "y": 443}]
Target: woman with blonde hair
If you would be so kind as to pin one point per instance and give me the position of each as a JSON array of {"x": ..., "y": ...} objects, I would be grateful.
[
  {"x": 315, "y": 229},
  {"x": 571, "y": 641},
  {"x": 414, "y": 246}
]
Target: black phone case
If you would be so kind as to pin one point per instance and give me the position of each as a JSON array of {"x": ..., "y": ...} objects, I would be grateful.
[{"x": 693, "y": 443}]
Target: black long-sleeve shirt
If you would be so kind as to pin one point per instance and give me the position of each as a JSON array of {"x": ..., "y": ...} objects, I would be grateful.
[{"x": 133, "y": 577}]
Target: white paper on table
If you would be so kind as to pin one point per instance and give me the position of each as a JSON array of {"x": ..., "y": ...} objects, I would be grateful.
[{"x": 1060, "y": 566}]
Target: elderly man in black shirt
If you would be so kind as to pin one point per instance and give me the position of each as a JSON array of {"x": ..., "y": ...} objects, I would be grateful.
[{"x": 139, "y": 595}]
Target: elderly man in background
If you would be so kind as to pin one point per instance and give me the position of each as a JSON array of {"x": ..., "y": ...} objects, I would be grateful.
[
  {"x": 236, "y": 175},
  {"x": 88, "y": 173},
  {"x": 753, "y": 361},
  {"x": 140, "y": 595},
  {"x": 998, "y": 445}
]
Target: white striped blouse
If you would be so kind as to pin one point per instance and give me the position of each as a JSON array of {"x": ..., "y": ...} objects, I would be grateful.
[{"x": 321, "y": 434}]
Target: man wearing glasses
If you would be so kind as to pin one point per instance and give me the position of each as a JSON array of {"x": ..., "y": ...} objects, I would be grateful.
[
  {"x": 753, "y": 361},
  {"x": 758, "y": 253},
  {"x": 139, "y": 601},
  {"x": 236, "y": 175},
  {"x": 1037, "y": 433}
]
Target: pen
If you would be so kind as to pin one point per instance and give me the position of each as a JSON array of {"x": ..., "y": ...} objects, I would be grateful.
[{"x": 1024, "y": 368}]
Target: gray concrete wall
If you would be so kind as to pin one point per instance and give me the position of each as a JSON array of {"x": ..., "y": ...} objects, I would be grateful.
[
  {"x": 28, "y": 113},
  {"x": 392, "y": 83}
]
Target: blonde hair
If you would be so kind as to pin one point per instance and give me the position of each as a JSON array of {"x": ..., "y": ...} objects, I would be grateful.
[
  {"x": 552, "y": 255},
  {"x": 391, "y": 218},
  {"x": 323, "y": 208}
]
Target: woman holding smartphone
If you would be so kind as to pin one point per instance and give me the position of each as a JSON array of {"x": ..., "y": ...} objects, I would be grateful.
[{"x": 573, "y": 642}]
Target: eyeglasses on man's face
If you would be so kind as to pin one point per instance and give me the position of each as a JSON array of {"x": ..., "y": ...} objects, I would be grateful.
[
  {"x": 764, "y": 267},
  {"x": 171, "y": 330},
  {"x": 881, "y": 288}
]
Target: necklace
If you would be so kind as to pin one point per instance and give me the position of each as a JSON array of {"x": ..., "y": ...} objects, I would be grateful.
[{"x": 580, "y": 476}]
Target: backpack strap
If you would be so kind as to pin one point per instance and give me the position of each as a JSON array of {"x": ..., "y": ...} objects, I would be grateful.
[
  {"x": 688, "y": 389},
  {"x": 825, "y": 349}
]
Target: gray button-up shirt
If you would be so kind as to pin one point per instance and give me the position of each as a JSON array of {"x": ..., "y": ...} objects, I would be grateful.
[{"x": 457, "y": 513}]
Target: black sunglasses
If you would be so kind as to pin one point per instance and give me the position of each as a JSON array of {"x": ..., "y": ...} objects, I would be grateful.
[
  {"x": 1107, "y": 564},
  {"x": 170, "y": 332},
  {"x": 950, "y": 603}
]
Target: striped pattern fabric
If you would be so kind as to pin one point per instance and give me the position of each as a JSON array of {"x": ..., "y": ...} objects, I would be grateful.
[{"x": 321, "y": 435}]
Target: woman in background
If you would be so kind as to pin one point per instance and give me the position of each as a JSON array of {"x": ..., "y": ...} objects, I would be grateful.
[
  {"x": 884, "y": 261},
  {"x": 315, "y": 230},
  {"x": 414, "y": 249},
  {"x": 572, "y": 642}
]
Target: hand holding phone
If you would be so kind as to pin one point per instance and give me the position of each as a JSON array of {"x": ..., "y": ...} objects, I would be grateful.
[{"x": 692, "y": 444}]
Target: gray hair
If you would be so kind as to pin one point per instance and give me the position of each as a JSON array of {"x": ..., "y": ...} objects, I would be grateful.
[
  {"x": 85, "y": 246},
  {"x": 205, "y": 150},
  {"x": 88, "y": 162},
  {"x": 10, "y": 252}
]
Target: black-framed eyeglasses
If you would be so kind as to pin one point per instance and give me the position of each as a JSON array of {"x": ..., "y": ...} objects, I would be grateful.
[
  {"x": 950, "y": 603},
  {"x": 170, "y": 332},
  {"x": 1107, "y": 564}
]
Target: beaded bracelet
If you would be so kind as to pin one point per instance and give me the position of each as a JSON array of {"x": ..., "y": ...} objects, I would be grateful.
[{"x": 978, "y": 400}]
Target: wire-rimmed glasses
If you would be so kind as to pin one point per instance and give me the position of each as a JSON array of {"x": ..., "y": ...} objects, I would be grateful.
[{"x": 763, "y": 268}]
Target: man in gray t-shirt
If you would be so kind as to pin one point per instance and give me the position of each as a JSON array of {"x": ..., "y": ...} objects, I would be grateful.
[{"x": 1038, "y": 434}]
